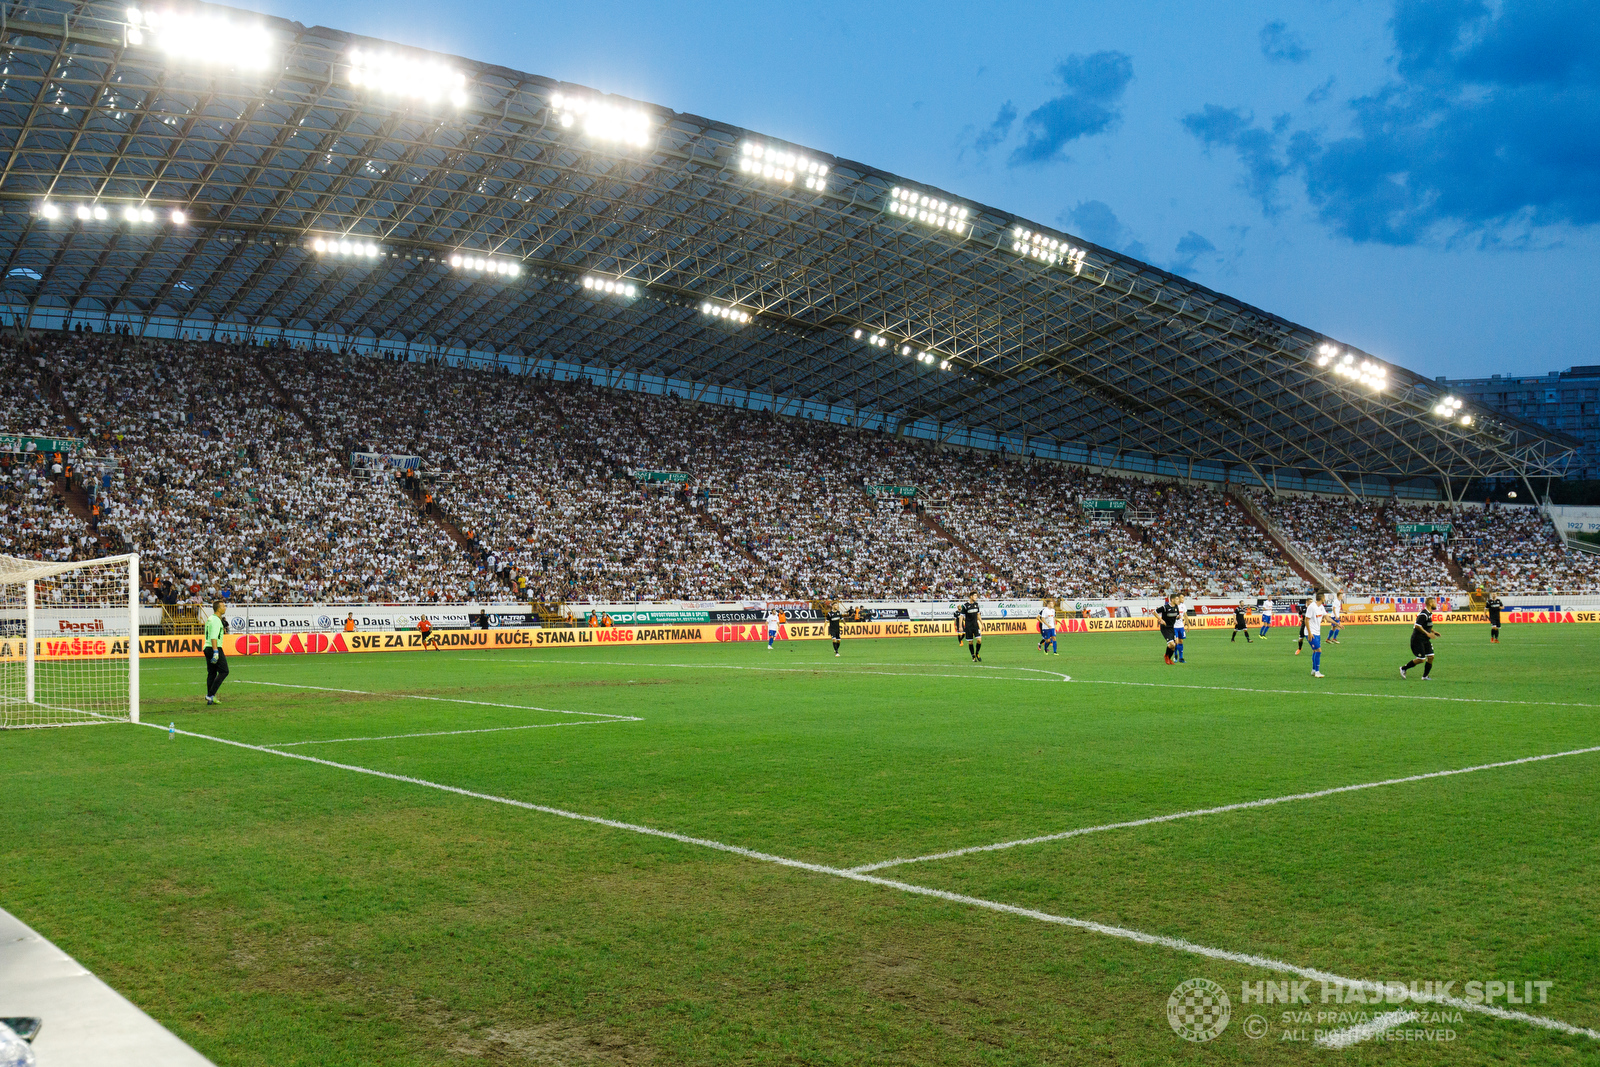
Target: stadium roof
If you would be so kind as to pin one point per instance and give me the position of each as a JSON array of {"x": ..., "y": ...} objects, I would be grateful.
[{"x": 269, "y": 136}]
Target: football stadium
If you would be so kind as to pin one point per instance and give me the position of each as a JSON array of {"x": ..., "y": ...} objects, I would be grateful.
[{"x": 994, "y": 648}]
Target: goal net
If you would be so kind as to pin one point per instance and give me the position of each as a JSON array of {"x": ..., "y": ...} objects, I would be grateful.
[{"x": 69, "y": 642}]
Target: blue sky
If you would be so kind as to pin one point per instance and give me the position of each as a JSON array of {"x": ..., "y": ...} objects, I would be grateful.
[{"x": 1420, "y": 178}]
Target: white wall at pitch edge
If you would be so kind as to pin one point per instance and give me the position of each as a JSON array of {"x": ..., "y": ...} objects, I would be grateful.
[
  {"x": 67, "y": 622},
  {"x": 311, "y": 618}
]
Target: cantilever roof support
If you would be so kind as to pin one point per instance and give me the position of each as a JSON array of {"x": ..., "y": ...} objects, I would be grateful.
[{"x": 1346, "y": 485}]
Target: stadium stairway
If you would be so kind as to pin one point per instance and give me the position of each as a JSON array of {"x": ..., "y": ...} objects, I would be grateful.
[
  {"x": 708, "y": 522},
  {"x": 438, "y": 515},
  {"x": 1298, "y": 561},
  {"x": 1141, "y": 533},
  {"x": 440, "y": 518},
  {"x": 288, "y": 401},
  {"x": 1456, "y": 574},
  {"x": 938, "y": 530},
  {"x": 74, "y": 497}
]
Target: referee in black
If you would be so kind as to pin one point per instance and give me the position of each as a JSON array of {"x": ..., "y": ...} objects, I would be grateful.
[{"x": 216, "y": 659}]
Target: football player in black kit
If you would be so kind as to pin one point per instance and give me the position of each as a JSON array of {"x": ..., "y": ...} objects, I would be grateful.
[
  {"x": 835, "y": 625},
  {"x": 971, "y": 617},
  {"x": 1422, "y": 635},
  {"x": 1495, "y": 606},
  {"x": 1239, "y": 625},
  {"x": 1168, "y": 615}
]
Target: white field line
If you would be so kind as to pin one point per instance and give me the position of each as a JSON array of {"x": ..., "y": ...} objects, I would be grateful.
[
  {"x": 446, "y": 700},
  {"x": 1243, "y": 805},
  {"x": 450, "y": 733},
  {"x": 1174, "y": 943},
  {"x": 807, "y": 671},
  {"x": 1343, "y": 693},
  {"x": 820, "y": 668},
  {"x": 1371, "y": 1028}
]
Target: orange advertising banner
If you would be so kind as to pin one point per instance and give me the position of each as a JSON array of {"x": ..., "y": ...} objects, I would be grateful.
[{"x": 277, "y": 644}]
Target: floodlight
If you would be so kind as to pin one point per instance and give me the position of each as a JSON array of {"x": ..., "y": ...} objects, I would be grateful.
[
  {"x": 397, "y": 75},
  {"x": 179, "y": 217},
  {"x": 930, "y": 210},
  {"x": 1046, "y": 249},
  {"x": 134, "y": 213},
  {"x": 100, "y": 213},
  {"x": 206, "y": 38},
  {"x": 879, "y": 340},
  {"x": 486, "y": 265},
  {"x": 596, "y": 283},
  {"x": 344, "y": 248},
  {"x": 1448, "y": 407},
  {"x": 1369, "y": 373},
  {"x": 49, "y": 210},
  {"x": 735, "y": 315},
  {"x": 782, "y": 166},
  {"x": 602, "y": 121},
  {"x": 83, "y": 212}
]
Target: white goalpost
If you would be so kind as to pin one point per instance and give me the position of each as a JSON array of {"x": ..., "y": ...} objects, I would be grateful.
[{"x": 69, "y": 642}]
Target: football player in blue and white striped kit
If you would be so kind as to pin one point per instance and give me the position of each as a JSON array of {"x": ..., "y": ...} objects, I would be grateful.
[
  {"x": 1312, "y": 626},
  {"x": 1047, "y": 630}
]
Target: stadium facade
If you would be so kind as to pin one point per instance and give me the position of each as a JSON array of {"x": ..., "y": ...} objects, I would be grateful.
[
  {"x": 1565, "y": 401},
  {"x": 221, "y": 173}
]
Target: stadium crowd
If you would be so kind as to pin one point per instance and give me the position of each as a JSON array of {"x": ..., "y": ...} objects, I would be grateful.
[
  {"x": 539, "y": 476},
  {"x": 229, "y": 468},
  {"x": 1358, "y": 543},
  {"x": 220, "y": 488},
  {"x": 1516, "y": 548}
]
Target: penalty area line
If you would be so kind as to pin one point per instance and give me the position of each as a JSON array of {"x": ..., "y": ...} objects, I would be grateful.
[
  {"x": 1319, "y": 691},
  {"x": 820, "y": 668},
  {"x": 444, "y": 700},
  {"x": 1137, "y": 936},
  {"x": 450, "y": 733},
  {"x": 991, "y": 674},
  {"x": 1219, "y": 810}
]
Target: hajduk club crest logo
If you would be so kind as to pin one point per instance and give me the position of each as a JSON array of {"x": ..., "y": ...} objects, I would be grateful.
[{"x": 1199, "y": 1009}]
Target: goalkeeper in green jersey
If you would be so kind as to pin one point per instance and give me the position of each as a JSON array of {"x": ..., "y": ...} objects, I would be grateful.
[{"x": 216, "y": 659}]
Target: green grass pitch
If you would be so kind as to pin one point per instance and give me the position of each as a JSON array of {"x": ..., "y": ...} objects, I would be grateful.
[{"x": 280, "y": 911}]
